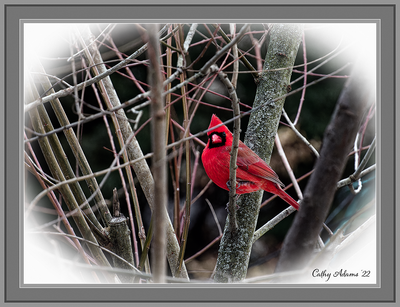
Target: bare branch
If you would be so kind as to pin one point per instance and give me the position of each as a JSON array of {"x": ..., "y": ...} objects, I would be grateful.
[
  {"x": 234, "y": 150},
  {"x": 159, "y": 161}
]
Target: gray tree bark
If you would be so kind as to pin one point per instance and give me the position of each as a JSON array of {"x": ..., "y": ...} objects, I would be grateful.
[{"x": 235, "y": 248}]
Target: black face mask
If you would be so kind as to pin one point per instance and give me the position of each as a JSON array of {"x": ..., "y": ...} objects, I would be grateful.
[{"x": 222, "y": 135}]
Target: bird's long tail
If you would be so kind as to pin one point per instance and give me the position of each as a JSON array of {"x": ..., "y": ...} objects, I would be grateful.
[
  {"x": 273, "y": 187},
  {"x": 286, "y": 197},
  {"x": 276, "y": 189}
]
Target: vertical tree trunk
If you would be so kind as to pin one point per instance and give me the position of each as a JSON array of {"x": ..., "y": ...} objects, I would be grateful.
[
  {"x": 235, "y": 248},
  {"x": 339, "y": 136}
]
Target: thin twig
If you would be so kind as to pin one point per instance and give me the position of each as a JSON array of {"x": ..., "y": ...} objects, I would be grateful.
[
  {"x": 364, "y": 161},
  {"x": 235, "y": 74},
  {"x": 186, "y": 125},
  {"x": 303, "y": 92},
  {"x": 348, "y": 180},
  {"x": 273, "y": 222},
  {"x": 299, "y": 134},
  {"x": 243, "y": 58},
  {"x": 287, "y": 166},
  {"x": 234, "y": 150},
  {"x": 213, "y": 241}
]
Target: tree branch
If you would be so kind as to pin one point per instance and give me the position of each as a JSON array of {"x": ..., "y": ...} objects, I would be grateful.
[
  {"x": 235, "y": 147},
  {"x": 159, "y": 157}
]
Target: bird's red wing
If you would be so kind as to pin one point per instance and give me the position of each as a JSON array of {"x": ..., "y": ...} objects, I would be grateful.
[{"x": 248, "y": 161}]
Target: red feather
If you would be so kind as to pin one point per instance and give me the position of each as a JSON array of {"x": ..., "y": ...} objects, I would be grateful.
[{"x": 252, "y": 174}]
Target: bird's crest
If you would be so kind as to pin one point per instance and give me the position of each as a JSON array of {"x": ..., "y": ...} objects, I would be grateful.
[{"x": 215, "y": 121}]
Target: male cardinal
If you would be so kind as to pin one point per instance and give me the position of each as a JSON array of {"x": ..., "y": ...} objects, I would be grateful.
[{"x": 252, "y": 174}]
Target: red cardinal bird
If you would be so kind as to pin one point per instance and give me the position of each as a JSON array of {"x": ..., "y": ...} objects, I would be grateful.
[{"x": 252, "y": 174}]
